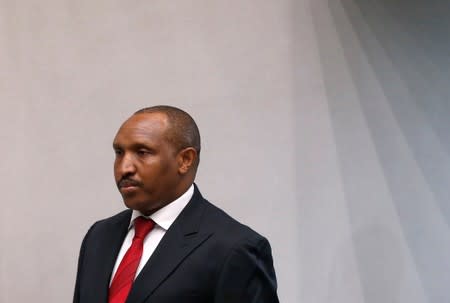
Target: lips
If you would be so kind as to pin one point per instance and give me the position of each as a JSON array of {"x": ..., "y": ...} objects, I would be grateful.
[{"x": 127, "y": 185}]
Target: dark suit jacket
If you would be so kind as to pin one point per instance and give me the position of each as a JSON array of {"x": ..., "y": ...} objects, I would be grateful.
[{"x": 204, "y": 257}]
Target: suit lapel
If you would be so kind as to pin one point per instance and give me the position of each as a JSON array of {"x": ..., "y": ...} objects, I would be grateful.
[
  {"x": 180, "y": 240},
  {"x": 108, "y": 250}
]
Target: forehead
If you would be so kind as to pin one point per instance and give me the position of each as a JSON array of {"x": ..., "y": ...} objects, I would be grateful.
[{"x": 142, "y": 127}]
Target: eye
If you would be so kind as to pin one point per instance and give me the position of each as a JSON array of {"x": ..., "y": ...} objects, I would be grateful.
[
  {"x": 143, "y": 152},
  {"x": 118, "y": 152}
]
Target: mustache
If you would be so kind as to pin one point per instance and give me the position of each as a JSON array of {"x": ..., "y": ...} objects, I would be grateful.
[{"x": 125, "y": 182}]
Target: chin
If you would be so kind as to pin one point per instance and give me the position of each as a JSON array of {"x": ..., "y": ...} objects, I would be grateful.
[
  {"x": 141, "y": 206},
  {"x": 132, "y": 204}
]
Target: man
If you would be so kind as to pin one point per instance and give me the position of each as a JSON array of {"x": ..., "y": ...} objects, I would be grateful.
[{"x": 171, "y": 246}]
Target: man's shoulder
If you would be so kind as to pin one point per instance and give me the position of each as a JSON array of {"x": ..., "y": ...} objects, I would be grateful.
[
  {"x": 120, "y": 218},
  {"x": 227, "y": 226},
  {"x": 229, "y": 237},
  {"x": 215, "y": 218}
]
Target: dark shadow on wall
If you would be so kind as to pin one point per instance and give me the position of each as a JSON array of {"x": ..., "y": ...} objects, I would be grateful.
[
  {"x": 407, "y": 47},
  {"x": 413, "y": 36}
]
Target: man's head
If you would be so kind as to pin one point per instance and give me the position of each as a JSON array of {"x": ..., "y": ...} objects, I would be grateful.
[{"x": 157, "y": 155}]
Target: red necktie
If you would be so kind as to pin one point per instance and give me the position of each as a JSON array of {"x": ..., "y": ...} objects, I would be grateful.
[{"x": 124, "y": 277}]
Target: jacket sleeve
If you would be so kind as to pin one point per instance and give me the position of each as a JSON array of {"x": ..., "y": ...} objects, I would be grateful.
[{"x": 247, "y": 275}]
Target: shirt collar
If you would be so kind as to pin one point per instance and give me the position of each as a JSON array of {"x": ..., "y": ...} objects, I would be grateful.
[{"x": 165, "y": 216}]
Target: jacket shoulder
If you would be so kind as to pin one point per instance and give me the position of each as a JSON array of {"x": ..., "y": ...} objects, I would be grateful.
[
  {"x": 123, "y": 215},
  {"x": 104, "y": 224},
  {"x": 227, "y": 227}
]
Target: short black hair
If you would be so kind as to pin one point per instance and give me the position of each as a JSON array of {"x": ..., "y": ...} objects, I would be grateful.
[{"x": 183, "y": 131}]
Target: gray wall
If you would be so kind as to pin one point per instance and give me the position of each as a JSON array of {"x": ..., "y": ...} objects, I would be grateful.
[{"x": 324, "y": 126}]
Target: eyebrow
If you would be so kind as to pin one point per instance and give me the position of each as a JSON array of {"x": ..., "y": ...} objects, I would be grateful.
[{"x": 132, "y": 146}]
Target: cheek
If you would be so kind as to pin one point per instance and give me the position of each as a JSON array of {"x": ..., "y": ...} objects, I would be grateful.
[
  {"x": 157, "y": 169},
  {"x": 116, "y": 172},
  {"x": 116, "y": 176},
  {"x": 168, "y": 167}
]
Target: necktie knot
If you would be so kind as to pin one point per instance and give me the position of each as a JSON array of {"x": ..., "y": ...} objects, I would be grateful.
[{"x": 142, "y": 227}]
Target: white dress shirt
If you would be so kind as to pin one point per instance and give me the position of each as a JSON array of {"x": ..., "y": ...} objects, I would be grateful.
[{"x": 163, "y": 218}]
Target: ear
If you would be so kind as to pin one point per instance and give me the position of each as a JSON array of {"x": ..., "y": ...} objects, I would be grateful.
[{"x": 186, "y": 159}]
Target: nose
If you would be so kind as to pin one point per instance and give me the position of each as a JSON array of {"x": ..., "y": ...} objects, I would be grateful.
[{"x": 125, "y": 165}]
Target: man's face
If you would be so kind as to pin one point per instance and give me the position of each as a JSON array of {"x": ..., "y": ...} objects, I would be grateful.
[{"x": 145, "y": 168}]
